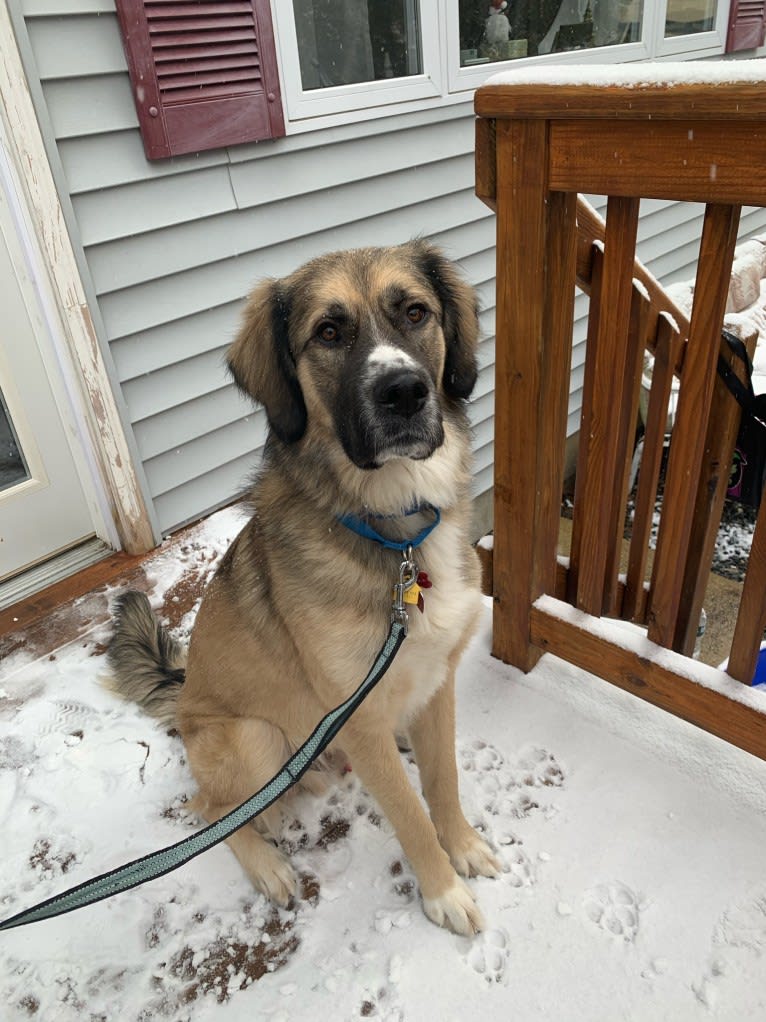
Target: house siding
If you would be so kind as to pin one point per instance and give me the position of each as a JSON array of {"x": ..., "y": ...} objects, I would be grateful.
[{"x": 170, "y": 248}]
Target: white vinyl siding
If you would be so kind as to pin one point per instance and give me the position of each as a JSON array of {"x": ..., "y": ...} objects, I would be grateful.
[{"x": 172, "y": 247}]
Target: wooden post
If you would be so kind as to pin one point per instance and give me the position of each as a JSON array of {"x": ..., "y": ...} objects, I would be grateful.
[{"x": 536, "y": 255}]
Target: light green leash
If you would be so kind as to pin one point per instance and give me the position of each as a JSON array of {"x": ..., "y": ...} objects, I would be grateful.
[{"x": 149, "y": 867}]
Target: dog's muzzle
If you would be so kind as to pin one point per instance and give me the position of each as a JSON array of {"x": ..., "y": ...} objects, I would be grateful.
[{"x": 393, "y": 413}]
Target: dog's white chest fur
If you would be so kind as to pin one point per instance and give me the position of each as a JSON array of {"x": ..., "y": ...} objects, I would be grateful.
[{"x": 450, "y": 612}]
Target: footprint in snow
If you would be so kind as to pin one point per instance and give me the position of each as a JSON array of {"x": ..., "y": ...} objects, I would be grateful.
[
  {"x": 614, "y": 908},
  {"x": 740, "y": 933},
  {"x": 744, "y": 925},
  {"x": 539, "y": 769},
  {"x": 480, "y": 756},
  {"x": 518, "y": 870},
  {"x": 69, "y": 718},
  {"x": 488, "y": 955}
]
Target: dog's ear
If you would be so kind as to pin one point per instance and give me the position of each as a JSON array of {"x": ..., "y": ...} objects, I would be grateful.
[
  {"x": 262, "y": 364},
  {"x": 460, "y": 320}
]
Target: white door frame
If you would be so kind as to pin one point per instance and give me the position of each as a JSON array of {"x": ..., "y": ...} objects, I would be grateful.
[{"x": 120, "y": 513}]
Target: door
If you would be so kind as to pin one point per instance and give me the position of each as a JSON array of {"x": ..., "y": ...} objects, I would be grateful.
[{"x": 43, "y": 508}]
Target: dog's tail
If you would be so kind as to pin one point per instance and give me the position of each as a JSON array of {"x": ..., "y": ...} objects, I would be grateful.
[{"x": 147, "y": 663}]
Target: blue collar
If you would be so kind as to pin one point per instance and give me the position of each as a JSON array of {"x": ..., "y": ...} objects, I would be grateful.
[{"x": 364, "y": 529}]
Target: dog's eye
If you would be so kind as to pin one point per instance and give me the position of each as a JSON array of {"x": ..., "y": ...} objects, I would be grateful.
[
  {"x": 416, "y": 314},
  {"x": 328, "y": 333}
]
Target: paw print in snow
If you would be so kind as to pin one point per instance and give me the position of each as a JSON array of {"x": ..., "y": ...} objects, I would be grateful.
[
  {"x": 744, "y": 925},
  {"x": 518, "y": 871},
  {"x": 480, "y": 756},
  {"x": 614, "y": 908},
  {"x": 515, "y": 804},
  {"x": 488, "y": 956},
  {"x": 540, "y": 769}
]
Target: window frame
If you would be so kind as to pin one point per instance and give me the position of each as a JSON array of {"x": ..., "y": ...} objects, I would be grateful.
[
  {"x": 653, "y": 44},
  {"x": 443, "y": 82},
  {"x": 701, "y": 44},
  {"x": 301, "y": 104}
]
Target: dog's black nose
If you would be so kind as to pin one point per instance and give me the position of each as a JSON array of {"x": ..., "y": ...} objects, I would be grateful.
[{"x": 402, "y": 393}]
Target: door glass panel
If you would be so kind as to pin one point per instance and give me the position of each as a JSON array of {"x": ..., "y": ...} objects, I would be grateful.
[
  {"x": 13, "y": 467},
  {"x": 685, "y": 17},
  {"x": 342, "y": 42}
]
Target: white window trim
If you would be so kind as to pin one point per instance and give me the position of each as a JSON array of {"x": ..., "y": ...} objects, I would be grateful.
[
  {"x": 653, "y": 44},
  {"x": 700, "y": 43},
  {"x": 443, "y": 82},
  {"x": 300, "y": 103}
]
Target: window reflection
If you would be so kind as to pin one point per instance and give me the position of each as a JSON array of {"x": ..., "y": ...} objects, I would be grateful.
[
  {"x": 341, "y": 42},
  {"x": 684, "y": 17},
  {"x": 505, "y": 31}
]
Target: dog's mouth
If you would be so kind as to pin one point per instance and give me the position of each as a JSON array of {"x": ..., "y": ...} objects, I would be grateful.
[{"x": 378, "y": 446}]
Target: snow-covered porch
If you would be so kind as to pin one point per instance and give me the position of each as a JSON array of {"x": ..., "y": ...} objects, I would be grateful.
[
  {"x": 632, "y": 845},
  {"x": 631, "y": 841}
]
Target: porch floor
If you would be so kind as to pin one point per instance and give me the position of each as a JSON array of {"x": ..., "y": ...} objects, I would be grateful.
[{"x": 632, "y": 846}]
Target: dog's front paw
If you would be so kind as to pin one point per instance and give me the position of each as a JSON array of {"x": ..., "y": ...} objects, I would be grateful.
[
  {"x": 471, "y": 855},
  {"x": 456, "y": 910},
  {"x": 273, "y": 875}
]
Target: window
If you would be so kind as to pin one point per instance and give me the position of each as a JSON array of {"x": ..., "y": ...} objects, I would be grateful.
[
  {"x": 339, "y": 56},
  {"x": 344, "y": 42},
  {"x": 525, "y": 28},
  {"x": 204, "y": 74},
  {"x": 685, "y": 17},
  {"x": 489, "y": 35}
]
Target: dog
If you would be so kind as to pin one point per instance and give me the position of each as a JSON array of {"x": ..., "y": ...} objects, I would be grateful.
[{"x": 363, "y": 360}]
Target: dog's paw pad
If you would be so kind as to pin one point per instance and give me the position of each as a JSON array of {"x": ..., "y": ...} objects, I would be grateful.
[
  {"x": 614, "y": 908},
  {"x": 456, "y": 910},
  {"x": 488, "y": 956}
]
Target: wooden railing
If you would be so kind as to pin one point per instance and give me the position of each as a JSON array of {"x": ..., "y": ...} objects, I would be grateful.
[{"x": 538, "y": 146}]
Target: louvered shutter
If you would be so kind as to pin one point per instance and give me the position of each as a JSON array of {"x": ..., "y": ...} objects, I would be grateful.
[
  {"x": 204, "y": 74},
  {"x": 747, "y": 21}
]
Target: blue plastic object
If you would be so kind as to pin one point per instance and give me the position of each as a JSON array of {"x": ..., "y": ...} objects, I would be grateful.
[{"x": 760, "y": 668}]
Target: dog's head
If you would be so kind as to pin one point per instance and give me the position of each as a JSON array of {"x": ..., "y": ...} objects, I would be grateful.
[{"x": 371, "y": 342}]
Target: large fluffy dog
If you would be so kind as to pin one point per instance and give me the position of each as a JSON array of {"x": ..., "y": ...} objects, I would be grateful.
[{"x": 363, "y": 361}]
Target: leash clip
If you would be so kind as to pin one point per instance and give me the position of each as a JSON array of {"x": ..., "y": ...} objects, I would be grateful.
[{"x": 408, "y": 575}]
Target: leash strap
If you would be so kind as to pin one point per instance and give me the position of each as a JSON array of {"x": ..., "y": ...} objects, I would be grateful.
[
  {"x": 149, "y": 867},
  {"x": 742, "y": 392}
]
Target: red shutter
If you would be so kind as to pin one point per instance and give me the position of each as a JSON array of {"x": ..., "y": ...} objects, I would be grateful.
[
  {"x": 204, "y": 74},
  {"x": 747, "y": 22}
]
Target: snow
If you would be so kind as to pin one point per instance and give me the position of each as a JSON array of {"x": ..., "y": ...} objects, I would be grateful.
[
  {"x": 632, "y": 844},
  {"x": 670, "y": 73},
  {"x": 633, "y": 638}
]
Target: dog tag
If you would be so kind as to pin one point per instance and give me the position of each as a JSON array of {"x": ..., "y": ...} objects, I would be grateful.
[
  {"x": 423, "y": 580},
  {"x": 414, "y": 597}
]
